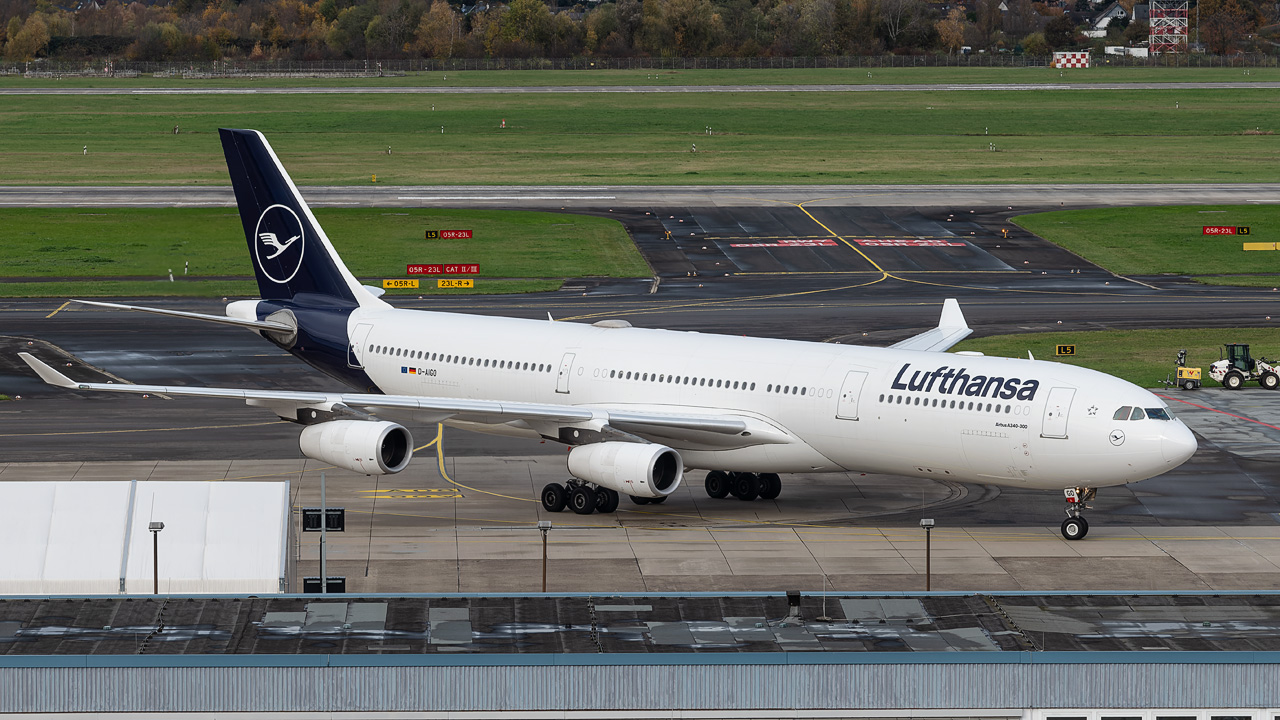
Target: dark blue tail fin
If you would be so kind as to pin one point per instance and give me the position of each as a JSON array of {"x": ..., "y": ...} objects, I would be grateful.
[{"x": 291, "y": 254}]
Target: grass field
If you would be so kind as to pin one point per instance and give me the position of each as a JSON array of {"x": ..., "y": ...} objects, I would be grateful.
[
  {"x": 1154, "y": 240},
  {"x": 1143, "y": 357},
  {"x": 583, "y": 139},
  {"x": 130, "y": 252},
  {"x": 793, "y": 76}
]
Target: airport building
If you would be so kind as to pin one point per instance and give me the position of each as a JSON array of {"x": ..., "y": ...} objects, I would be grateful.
[
  {"x": 104, "y": 537},
  {"x": 1034, "y": 656}
]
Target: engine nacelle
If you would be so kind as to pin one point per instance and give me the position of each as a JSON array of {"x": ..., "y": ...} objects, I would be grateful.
[
  {"x": 630, "y": 468},
  {"x": 363, "y": 446}
]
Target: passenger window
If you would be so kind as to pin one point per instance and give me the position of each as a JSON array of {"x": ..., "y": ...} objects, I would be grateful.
[
  {"x": 1122, "y": 413},
  {"x": 802, "y": 390},
  {"x": 753, "y": 386},
  {"x": 1158, "y": 414},
  {"x": 1137, "y": 414}
]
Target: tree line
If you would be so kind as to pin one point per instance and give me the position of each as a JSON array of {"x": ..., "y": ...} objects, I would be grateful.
[{"x": 298, "y": 30}]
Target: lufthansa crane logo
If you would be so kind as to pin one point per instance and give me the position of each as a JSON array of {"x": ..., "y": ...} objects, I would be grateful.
[
  {"x": 279, "y": 243},
  {"x": 1116, "y": 437}
]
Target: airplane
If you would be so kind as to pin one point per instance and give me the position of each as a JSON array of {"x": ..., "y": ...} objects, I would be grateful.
[{"x": 639, "y": 408}]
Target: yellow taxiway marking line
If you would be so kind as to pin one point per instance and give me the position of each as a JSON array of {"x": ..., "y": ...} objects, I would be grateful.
[
  {"x": 55, "y": 312},
  {"x": 439, "y": 443},
  {"x": 703, "y": 304}
]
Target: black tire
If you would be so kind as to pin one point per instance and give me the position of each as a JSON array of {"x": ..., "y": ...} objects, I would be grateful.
[
  {"x": 640, "y": 500},
  {"x": 1269, "y": 380},
  {"x": 607, "y": 500},
  {"x": 1075, "y": 528},
  {"x": 659, "y": 500},
  {"x": 1233, "y": 381},
  {"x": 746, "y": 486},
  {"x": 1188, "y": 384},
  {"x": 582, "y": 500},
  {"x": 717, "y": 484},
  {"x": 770, "y": 486},
  {"x": 553, "y": 497}
]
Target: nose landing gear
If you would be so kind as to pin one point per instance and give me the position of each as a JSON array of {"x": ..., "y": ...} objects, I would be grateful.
[{"x": 1075, "y": 527}]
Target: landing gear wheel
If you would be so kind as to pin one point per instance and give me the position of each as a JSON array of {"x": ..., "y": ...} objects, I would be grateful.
[
  {"x": 640, "y": 500},
  {"x": 1269, "y": 380},
  {"x": 606, "y": 500},
  {"x": 553, "y": 497},
  {"x": 1233, "y": 381},
  {"x": 770, "y": 486},
  {"x": 717, "y": 484},
  {"x": 582, "y": 500},
  {"x": 1075, "y": 528},
  {"x": 745, "y": 486}
]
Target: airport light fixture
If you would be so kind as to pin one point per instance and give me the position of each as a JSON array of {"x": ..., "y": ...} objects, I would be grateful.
[
  {"x": 155, "y": 527},
  {"x": 927, "y": 524},
  {"x": 543, "y": 527}
]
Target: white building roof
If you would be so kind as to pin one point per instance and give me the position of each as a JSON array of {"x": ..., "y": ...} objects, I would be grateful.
[{"x": 91, "y": 538}]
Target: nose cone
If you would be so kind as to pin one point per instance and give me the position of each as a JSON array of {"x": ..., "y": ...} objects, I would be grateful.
[{"x": 1177, "y": 443}]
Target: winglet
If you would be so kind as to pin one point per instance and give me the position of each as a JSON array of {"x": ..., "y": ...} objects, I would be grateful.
[
  {"x": 951, "y": 329},
  {"x": 952, "y": 318},
  {"x": 46, "y": 373}
]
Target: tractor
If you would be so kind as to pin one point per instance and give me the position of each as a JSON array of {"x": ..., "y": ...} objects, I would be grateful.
[{"x": 1238, "y": 366}]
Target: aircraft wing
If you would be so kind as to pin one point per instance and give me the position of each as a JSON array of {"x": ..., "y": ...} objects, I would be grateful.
[
  {"x": 483, "y": 411},
  {"x": 951, "y": 329}
]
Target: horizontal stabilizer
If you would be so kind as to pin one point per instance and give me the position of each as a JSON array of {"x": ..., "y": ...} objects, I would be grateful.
[
  {"x": 221, "y": 319},
  {"x": 951, "y": 329}
]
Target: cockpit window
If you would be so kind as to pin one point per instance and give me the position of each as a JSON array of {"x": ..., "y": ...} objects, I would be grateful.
[
  {"x": 1137, "y": 414},
  {"x": 1158, "y": 414},
  {"x": 1122, "y": 413}
]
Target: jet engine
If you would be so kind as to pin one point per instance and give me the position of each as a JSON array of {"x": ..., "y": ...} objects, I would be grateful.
[
  {"x": 630, "y": 468},
  {"x": 363, "y": 446}
]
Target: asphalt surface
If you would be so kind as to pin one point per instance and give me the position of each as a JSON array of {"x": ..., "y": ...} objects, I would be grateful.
[
  {"x": 575, "y": 89},
  {"x": 948, "y": 198},
  {"x": 846, "y": 291}
]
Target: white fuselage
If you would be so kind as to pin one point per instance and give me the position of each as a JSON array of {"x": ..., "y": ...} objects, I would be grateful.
[{"x": 822, "y": 407}]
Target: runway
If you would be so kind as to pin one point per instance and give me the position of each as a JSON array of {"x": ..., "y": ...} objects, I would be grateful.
[{"x": 605, "y": 197}]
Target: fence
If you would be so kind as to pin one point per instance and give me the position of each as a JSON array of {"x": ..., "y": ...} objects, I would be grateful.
[{"x": 374, "y": 68}]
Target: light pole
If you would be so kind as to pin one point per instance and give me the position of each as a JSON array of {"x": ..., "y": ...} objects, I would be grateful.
[
  {"x": 324, "y": 524},
  {"x": 155, "y": 528},
  {"x": 927, "y": 524},
  {"x": 543, "y": 527}
]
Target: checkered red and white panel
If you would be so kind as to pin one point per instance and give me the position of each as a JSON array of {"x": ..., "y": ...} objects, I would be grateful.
[{"x": 1071, "y": 59}]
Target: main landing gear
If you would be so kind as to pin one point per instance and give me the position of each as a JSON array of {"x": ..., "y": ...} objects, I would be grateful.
[
  {"x": 580, "y": 496},
  {"x": 744, "y": 486},
  {"x": 1075, "y": 527}
]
